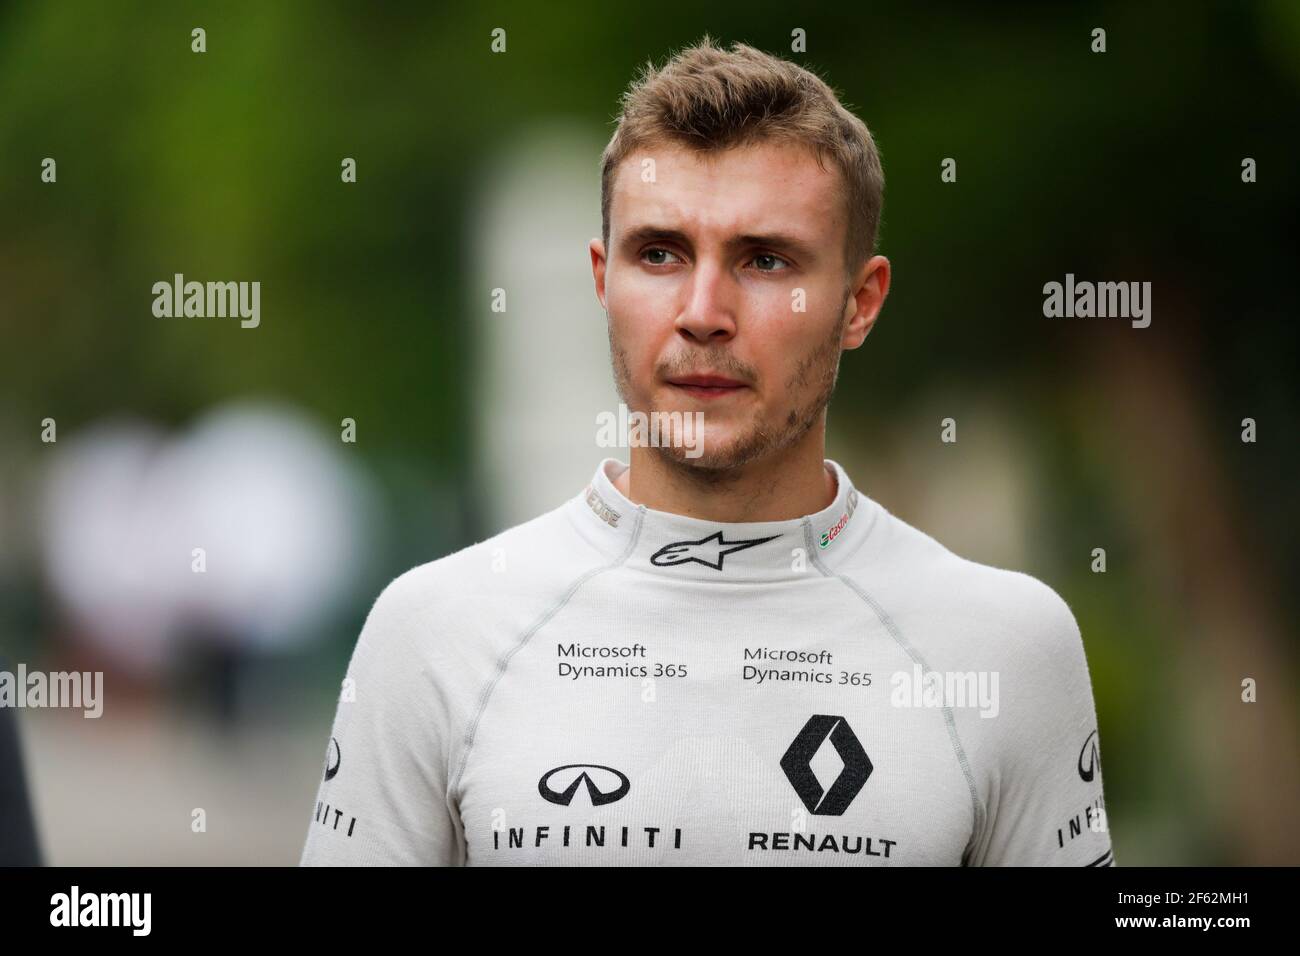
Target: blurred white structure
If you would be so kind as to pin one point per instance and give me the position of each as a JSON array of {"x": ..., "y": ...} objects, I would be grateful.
[
  {"x": 279, "y": 513},
  {"x": 543, "y": 370}
]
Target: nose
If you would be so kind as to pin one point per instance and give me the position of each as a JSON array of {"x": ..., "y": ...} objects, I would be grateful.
[{"x": 709, "y": 313}]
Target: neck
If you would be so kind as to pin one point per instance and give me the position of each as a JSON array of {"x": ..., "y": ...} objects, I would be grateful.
[
  {"x": 787, "y": 484},
  {"x": 692, "y": 547}
]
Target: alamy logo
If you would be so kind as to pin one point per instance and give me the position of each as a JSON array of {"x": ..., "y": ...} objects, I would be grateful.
[
  {"x": 573, "y": 775},
  {"x": 1086, "y": 300},
  {"x": 654, "y": 430},
  {"x": 974, "y": 689},
  {"x": 797, "y": 764},
  {"x": 708, "y": 551},
  {"x": 102, "y": 909},
  {"x": 57, "y": 689},
  {"x": 213, "y": 300}
]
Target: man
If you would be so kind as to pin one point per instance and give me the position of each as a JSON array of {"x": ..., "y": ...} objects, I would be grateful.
[{"x": 723, "y": 654}]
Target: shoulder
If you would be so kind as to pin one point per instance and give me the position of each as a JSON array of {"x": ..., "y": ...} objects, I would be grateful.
[
  {"x": 946, "y": 599},
  {"x": 486, "y": 588}
]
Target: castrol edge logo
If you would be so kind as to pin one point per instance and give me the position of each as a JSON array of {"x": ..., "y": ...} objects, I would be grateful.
[{"x": 834, "y": 531}]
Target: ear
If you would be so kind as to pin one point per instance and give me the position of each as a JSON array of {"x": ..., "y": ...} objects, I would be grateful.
[
  {"x": 597, "y": 249},
  {"x": 870, "y": 286}
]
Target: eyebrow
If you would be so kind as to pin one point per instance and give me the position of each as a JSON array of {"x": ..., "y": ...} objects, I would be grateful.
[{"x": 772, "y": 240}]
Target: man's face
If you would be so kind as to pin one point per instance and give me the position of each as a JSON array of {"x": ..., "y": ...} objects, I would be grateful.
[{"x": 726, "y": 292}]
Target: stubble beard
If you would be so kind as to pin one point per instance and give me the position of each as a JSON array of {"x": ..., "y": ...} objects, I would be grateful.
[{"x": 815, "y": 375}]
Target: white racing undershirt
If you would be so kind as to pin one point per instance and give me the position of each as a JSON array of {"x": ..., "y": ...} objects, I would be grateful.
[{"x": 612, "y": 685}]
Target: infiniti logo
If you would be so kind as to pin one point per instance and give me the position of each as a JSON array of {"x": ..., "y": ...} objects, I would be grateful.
[
  {"x": 1094, "y": 758},
  {"x": 572, "y": 775},
  {"x": 797, "y": 764},
  {"x": 332, "y": 761}
]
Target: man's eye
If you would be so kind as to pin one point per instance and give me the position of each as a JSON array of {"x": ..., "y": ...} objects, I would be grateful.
[
  {"x": 656, "y": 252},
  {"x": 767, "y": 257}
]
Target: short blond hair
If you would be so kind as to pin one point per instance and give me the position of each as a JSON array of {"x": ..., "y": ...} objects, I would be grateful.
[{"x": 708, "y": 99}]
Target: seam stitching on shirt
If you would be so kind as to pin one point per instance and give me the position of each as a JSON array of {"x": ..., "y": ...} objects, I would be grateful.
[
  {"x": 980, "y": 813},
  {"x": 537, "y": 625}
]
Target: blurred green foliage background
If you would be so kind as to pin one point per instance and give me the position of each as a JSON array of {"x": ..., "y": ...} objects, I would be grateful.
[{"x": 1124, "y": 165}]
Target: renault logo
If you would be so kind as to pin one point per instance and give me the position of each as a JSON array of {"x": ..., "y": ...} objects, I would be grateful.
[{"x": 797, "y": 764}]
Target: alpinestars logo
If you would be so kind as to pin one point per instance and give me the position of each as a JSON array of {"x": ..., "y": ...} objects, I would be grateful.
[
  {"x": 571, "y": 781},
  {"x": 797, "y": 764},
  {"x": 1094, "y": 759},
  {"x": 708, "y": 551}
]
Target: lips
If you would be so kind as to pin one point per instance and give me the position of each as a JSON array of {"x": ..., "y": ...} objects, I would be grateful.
[
  {"x": 708, "y": 381},
  {"x": 707, "y": 386}
]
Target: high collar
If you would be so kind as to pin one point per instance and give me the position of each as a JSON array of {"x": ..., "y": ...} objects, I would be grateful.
[{"x": 685, "y": 548}]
